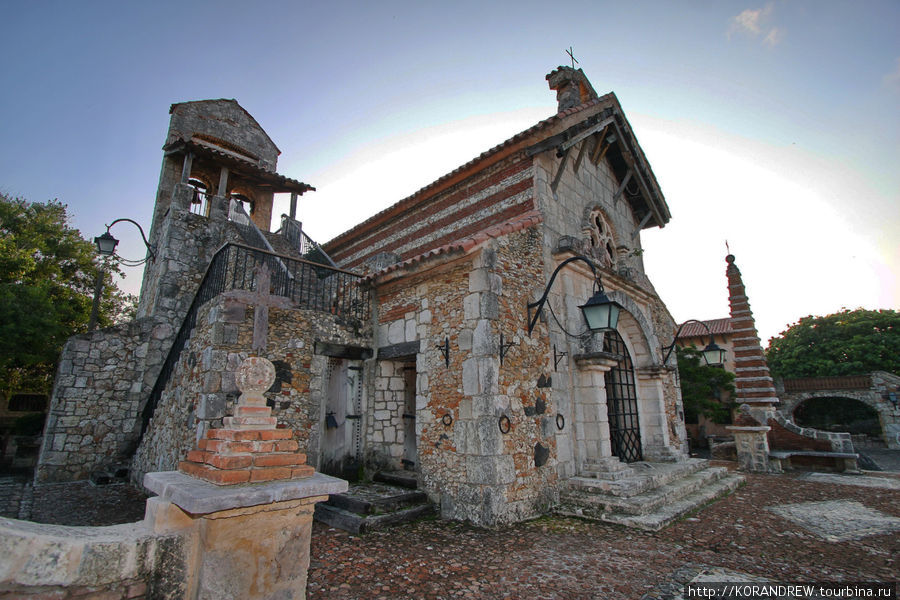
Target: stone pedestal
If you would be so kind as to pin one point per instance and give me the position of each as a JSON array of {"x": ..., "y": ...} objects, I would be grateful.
[
  {"x": 752, "y": 447},
  {"x": 250, "y": 541},
  {"x": 245, "y": 498}
]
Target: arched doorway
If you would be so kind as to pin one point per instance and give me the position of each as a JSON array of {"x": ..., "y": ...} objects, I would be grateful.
[
  {"x": 622, "y": 402},
  {"x": 835, "y": 413}
]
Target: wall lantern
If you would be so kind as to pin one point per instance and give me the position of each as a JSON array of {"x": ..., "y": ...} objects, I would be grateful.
[
  {"x": 106, "y": 246},
  {"x": 106, "y": 243},
  {"x": 713, "y": 355},
  {"x": 600, "y": 313}
]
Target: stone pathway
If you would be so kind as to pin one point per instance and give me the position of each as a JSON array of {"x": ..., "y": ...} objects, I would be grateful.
[
  {"x": 765, "y": 531},
  {"x": 556, "y": 557}
]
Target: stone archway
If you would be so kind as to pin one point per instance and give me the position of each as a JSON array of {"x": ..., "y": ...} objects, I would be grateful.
[{"x": 837, "y": 413}]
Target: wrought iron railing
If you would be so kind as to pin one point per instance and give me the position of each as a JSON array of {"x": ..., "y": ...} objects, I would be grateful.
[
  {"x": 297, "y": 238},
  {"x": 309, "y": 285}
]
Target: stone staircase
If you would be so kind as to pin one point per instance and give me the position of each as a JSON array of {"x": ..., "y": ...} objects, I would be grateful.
[
  {"x": 391, "y": 499},
  {"x": 644, "y": 495}
]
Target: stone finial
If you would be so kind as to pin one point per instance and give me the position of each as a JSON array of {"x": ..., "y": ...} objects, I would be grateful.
[
  {"x": 572, "y": 87},
  {"x": 744, "y": 418},
  {"x": 253, "y": 377}
]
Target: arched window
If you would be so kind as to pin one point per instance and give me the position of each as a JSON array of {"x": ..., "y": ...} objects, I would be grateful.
[
  {"x": 603, "y": 243},
  {"x": 622, "y": 402}
]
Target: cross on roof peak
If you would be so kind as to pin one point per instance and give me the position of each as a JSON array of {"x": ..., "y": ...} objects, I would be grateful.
[{"x": 571, "y": 54}]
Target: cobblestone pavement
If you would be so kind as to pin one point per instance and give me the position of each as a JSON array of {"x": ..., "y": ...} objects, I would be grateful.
[
  {"x": 563, "y": 558},
  {"x": 555, "y": 557}
]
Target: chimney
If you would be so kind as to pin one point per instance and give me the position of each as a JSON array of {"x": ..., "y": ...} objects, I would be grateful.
[{"x": 572, "y": 87}]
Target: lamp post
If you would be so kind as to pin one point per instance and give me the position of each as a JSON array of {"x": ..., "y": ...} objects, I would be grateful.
[
  {"x": 600, "y": 313},
  {"x": 106, "y": 246},
  {"x": 713, "y": 355}
]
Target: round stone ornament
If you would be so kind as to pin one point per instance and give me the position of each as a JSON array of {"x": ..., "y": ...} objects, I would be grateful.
[{"x": 255, "y": 375}]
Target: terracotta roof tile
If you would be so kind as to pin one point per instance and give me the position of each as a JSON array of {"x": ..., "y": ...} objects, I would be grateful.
[
  {"x": 716, "y": 326},
  {"x": 467, "y": 244}
]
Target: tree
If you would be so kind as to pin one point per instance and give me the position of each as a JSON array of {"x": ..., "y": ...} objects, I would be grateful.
[
  {"x": 47, "y": 276},
  {"x": 704, "y": 389},
  {"x": 851, "y": 342}
]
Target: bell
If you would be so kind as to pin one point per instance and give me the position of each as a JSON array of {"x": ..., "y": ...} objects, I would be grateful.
[{"x": 330, "y": 421}]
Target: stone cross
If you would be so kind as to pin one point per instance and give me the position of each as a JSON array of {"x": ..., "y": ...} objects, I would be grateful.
[{"x": 261, "y": 299}]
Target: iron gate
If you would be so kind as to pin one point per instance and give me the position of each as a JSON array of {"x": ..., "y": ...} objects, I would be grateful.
[{"x": 621, "y": 402}]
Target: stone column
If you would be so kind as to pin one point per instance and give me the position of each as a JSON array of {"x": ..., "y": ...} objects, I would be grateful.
[
  {"x": 593, "y": 450},
  {"x": 657, "y": 434}
]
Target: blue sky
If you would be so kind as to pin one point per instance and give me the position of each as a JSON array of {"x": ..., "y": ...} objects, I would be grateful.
[{"x": 773, "y": 125}]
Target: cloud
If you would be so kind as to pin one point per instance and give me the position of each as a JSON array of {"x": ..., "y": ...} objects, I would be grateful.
[
  {"x": 754, "y": 22},
  {"x": 773, "y": 37},
  {"x": 892, "y": 79},
  {"x": 749, "y": 20}
]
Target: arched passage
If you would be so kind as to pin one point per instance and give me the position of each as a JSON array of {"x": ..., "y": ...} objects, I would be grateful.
[{"x": 837, "y": 413}]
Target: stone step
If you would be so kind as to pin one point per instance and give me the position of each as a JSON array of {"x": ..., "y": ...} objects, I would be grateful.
[
  {"x": 356, "y": 523},
  {"x": 648, "y": 501},
  {"x": 647, "y": 476},
  {"x": 665, "y": 513},
  {"x": 366, "y": 506},
  {"x": 405, "y": 479},
  {"x": 376, "y": 506}
]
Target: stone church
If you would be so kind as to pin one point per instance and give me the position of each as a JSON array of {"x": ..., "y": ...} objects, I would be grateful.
[{"x": 410, "y": 342}]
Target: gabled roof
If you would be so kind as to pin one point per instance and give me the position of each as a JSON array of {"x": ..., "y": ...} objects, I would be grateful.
[
  {"x": 560, "y": 127},
  {"x": 232, "y": 101}
]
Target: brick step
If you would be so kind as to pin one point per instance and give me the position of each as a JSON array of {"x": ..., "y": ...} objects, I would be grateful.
[
  {"x": 673, "y": 511},
  {"x": 649, "y": 501},
  {"x": 647, "y": 476}
]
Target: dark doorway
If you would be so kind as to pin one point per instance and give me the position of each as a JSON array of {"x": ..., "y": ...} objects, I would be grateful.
[
  {"x": 409, "y": 418},
  {"x": 342, "y": 423}
]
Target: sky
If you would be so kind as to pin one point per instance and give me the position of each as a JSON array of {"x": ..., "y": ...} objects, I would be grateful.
[{"x": 774, "y": 126}]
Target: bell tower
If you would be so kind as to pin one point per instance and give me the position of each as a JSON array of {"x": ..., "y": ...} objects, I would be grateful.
[{"x": 218, "y": 167}]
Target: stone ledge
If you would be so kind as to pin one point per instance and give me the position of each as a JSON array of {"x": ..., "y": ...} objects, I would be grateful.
[{"x": 196, "y": 496}]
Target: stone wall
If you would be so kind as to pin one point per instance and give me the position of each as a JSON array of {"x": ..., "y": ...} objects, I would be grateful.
[
  {"x": 186, "y": 244},
  {"x": 119, "y": 562},
  {"x": 101, "y": 381},
  {"x": 202, "y": 390},
  {"x": 474, "y": 470}
]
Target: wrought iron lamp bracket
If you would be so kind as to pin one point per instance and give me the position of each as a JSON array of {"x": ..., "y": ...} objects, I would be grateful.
[{"x": 539, "y": 305}]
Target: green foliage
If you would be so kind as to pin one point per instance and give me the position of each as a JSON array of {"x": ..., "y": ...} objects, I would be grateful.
[
  {"x": 851, "y": 342},
  {"x": 703, "y": 388},
  {"x": 31, "y": 424},
  {"x": 47, "y": 278}
]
